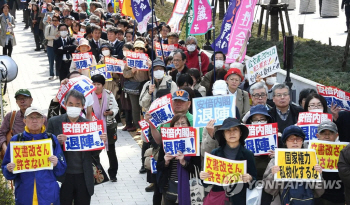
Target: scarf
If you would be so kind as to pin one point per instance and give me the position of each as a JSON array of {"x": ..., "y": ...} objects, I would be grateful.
[
  {"x": 183, "y": 188},
  {"x": 98, "y": 110}
]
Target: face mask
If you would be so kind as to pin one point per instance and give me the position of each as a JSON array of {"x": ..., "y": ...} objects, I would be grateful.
[
  {"x": 271, "y": 80},
  {"x": 92, "y": 24},
  {"x": 106, "y": 52},
  {"x": 61, "y": 9},
  {"x": 108, "y": 25},
  {"x": 158, "y": 74},
  {"x": 63, "y": 33},
  {"x": 82, "y": 30},
  {"x": 73, "y": 111},
  {"x": 257, "y": 123},
  {"x": 191, "y": 47},
  {"x": 124, "y": 53},
  {"x": 219, "y": 64},
  {"x": 316, "y": 110}
]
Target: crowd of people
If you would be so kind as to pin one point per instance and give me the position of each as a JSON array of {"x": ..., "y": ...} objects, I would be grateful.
[{"x": 187, "y": 73}]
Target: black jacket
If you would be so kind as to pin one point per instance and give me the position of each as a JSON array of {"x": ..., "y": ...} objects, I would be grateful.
[
  {"x": 117, "y": 49},
  {"x": 69, "y": 48},
  {"x": 96, "y": 50},
  {"x": 174, "y": 73},
  {"x": 75, "y": 15}
]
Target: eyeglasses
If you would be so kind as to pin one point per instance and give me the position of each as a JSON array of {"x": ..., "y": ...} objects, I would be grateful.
[
  {"x": 181, "y": 124},
  {"x": 319, "y": 105},
  {"x": 261, "y": 95},
  {"x": 262, "y": 121},
  {"x": 298, "y": 139},
  {"x": 279, "y": 95}
]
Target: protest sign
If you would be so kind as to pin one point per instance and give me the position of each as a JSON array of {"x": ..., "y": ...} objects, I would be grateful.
[
  {"x": 137, "y": 60},
  {"x": 179, "y": 10},
  {"x": 240, "y": 31},
  {"x": 296, "y": 165},
  {"x": 44, "y": 8},
  {"x": 83, "y": 136},
  {"x": 153, "y": 165},
  {"x": 262, "y": 138},
  {"x": 216, "y": 107},
  {"x": 78, "y": 37},
  {"x": 114, "y": 65},
  {"x": 336, "y": 96},
  {"x": 223, "y": 171},
  {"x": 202, "y": 17},
  {"x": 102, "y": 70},
  {"x": 144, "y": 128},
  {"x": 309, "y": 121},
  {"x": 82, "y": 60},
  {"x": 184, "y": 139},
  {"x": 82, "y": 84},
  {"x": 264, "y": 64},
  {"x": 161, "y": 111},
  {"x": 167, "y": 49},
  {"x": 142, "y": 13},
  {"x": 31, "y": 155},
  {"x": 328, "y": 153}
]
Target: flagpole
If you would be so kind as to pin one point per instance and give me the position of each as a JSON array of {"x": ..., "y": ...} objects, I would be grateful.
[
  {"x": 214, "y": 13},
  {"x": 160, "y": 40},
  {"x": 152, "y": 43},
  {"x": 133, "y": 33}
]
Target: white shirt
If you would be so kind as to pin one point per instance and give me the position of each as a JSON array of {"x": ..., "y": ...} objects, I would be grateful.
[
  {"x": 113, "y": 43},
  {"x": 64, "y": 56}
]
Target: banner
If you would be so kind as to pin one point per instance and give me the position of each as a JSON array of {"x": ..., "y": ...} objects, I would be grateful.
[
  {"x": 161, "y": 110},
  {"x": 114, "y": 65},
  {"x": 121, "y": 7},
  {"x": 240, "y": 31},
  {"x": 167, "y": 49},
  {"x": 142, "y": 12},
  {"x": 82, "y": 84},
  {"x": 296, "y": 165},
  {"x": 78, "y": 37},
  {"x": 82, "y": 60},
  {"x": 179, "y": 10},
  {"x": 31, "y": 156},
  {"x": 153, "y": 165},
  {"x": 102, "y": 70},
  {"x": 116, "y": 5},
  {"x": 83, "y": 136},
  {"x": 309, "y": 121},
  {"x": 335, "y": 95},
  {"x": 137, "y": 60},
  {"x": 202, "y": 17},
  {"x": 262, "y": 138},
  {"x": 223, "y": 171},
  {"x": 264, "y": 64},
  {"x": 144, "y": 128},
  {"x": 127, "y": 9},
  {"x": 184, "y": 139},
  {"x": 328, "y": 153},
  {"x": 216, "y": 107}
]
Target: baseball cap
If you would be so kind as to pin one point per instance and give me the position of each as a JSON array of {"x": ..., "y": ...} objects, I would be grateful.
[
  {"x": 181, "y": 95},
  {"x": 234, "y": 71},
  {"x": 24, "y": 92},
  {"x": 31, "y": 110},
  {"x": 158, "y": 62},
  {"x": 327, "y": 125},
  {"x": 220, "y": 87}
]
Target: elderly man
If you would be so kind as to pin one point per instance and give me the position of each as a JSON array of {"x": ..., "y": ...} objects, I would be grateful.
[
  {"x": 36, "y": 187},
  {"x": 84, "y": 8},
  {"x": 77, "y": 183},
  {"x": 179, "y": 61},
  {"x": 284, "y": 112},
  {"x": 196, "y": 58}
]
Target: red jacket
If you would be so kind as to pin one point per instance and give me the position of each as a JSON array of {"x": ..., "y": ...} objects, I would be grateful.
[{"x": 192, "y": 61}]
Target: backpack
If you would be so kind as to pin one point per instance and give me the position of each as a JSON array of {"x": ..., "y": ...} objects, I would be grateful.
[
  {"x": 297, "y": 195},
  {"x": 49, "y": 135}
]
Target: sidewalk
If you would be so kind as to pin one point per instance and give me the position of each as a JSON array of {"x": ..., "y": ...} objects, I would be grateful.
[{"x": 33, "y": 74}]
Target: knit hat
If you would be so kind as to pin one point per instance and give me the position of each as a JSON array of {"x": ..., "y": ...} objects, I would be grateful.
[
  {"x": 98, "y": 79},
  {"x": 292, "y": 130}
]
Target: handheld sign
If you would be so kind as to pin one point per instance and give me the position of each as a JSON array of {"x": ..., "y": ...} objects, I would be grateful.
[
  {"x": 153, "y": 165},
  {"x": 114, "y": 65},
  {"x": 100, "y": 69},
  {"x": 223, "y": 171},
  {"x": 167, "y": 49},
  {"x": 145, "y": 128},
  {"x": 328, "y": 153},
  {"x": 334, "y": 95},
  {"x": 161, "y": 111},
  {"x": 83, "y": 136},
  {"x": 262, "y": 138},
  {"x": 184, "y": 139},
  {"x": 31, "y": 156},
  {"x": 296, "y": 165},
  {"x": 309, "y": 121},
  {"x": 137, "y": 60},
  {"x": 82, "y": 60}
]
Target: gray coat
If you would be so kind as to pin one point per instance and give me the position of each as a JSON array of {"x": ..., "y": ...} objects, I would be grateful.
[
  {"x": 55, "y": 127},
  {"x": 3, "y": 30}
]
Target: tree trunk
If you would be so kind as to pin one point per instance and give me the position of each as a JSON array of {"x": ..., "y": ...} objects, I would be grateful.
[{"x": 221, "y": 9}]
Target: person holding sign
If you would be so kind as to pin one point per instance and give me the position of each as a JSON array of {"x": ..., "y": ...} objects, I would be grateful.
[
  {"x": 83, "y": 48},
  {"x": 231, "y": 138},
  {"x": 292, "y": 138},
  {"x": 34, "y": 186}
]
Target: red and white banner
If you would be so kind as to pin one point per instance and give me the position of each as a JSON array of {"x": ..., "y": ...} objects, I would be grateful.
[
  {"x": 334, "y": 95},
  {"x": 178, "y": 12},
  {"x": 137, "y": 60},
  {"x": 167, "y": 49},
  {"x": 114, "y": 65},
  {"x": 262, "y": 138},
  {"x": 161, "y": 111},
  {"x": 309, "y": 121},
  {"x": 82, "y": 60},
  {"x": 145, "y": 128}
]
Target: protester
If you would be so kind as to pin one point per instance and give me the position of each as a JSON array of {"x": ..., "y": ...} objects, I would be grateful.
[
  {"x": 96, "y": 42},
  {"x": 83, "y": 47},
  {"x": 304, "y": 93},
  {"x": 84, "y": 8},
  {"x": 75, "y": 27},
  {"x": 195, "y": 58},
  {"x": 344, "y": 171},
  {"x": 185, "y": 80},
  {"x": 51, "y": 33},
  {"x": 164, "y": 30},
  {"x": 48, "y": 15},
  {"x": 315, "y": 103},
  {"x": 194, "y": 73},
  {"x": 179, "y": 60},
  {"x": 7, "y": 39},
  {"x": 35, "y": 187},
  {"x": 116, "y": 44},
  {"x": 341, "y": 119},
  {"x": 35, "y": 19}
]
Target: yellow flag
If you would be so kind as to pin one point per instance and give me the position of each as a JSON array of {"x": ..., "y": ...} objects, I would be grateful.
[{"x": 127, "y": 9}]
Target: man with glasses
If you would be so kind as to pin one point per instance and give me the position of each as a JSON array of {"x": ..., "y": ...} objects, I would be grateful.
[
  {"x": 284, "y": 112},
  {"x": 179, "y": 61},
  {"x": 24, "y": 100}
]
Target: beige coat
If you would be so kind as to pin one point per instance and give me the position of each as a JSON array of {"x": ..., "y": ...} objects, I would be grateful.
[
  {"x": 242, "y": 102},
  {"x": 3, "y": 30},
  {"x": 50, "y": 34}
]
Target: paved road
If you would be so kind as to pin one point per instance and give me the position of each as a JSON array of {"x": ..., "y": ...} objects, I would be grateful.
[{"x": 33, "y": 74}]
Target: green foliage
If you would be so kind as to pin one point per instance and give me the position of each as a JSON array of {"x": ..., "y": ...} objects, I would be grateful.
[{"x": 6, "y": 194}]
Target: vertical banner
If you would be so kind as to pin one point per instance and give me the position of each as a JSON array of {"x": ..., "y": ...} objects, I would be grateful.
[
  {"x": 241, "y": 31},
  {"x": 223, "y": 171},
  {"x": 145, "y": 128},
  {"x": 127, "y": 9},
  {"x": 114, "y": 65},
  {"x": 328, "y": 153},
  {"x": 309, "y": 121},
  {"x": 31, "y": 156},
  {"x": 296, "y": 165},
  {"x": 184, "y": 139},
  {"x": 161, "y": 110},
  {"x": 116, "y": 5},
  {"x": 137, "y": 60},
  {"x": 82, "y": 60},
  {"x": 216, "y": 107},
  {"x": 202, "y": 17},
  {"x": 102, "y": 70},
  {"x": 142, "y": 12},
  {"x": 180, "y": 9},
  {"x": 262, "y": 138},
  {"x": 336, "y": 96},
  {"x": 83, "y": 136},
  {"x": 264, "y": 64}
]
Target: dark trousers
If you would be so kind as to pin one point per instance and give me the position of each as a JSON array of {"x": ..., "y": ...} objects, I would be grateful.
[
  {"x": 38, "y": 39},
  {"x": 26, "y": 14},
  {"x": 347, "y": 14},
  {"x": 136, "y": 109},
  {"x": 145, "y": 146},
  {"x": 64, "y": 69},
  {"x": 128, "y": 118},
  {"x": 157, "y": 196},
  {"x": 113, "y": 161},
  {"x": 7, "y": 50},
  {"x": 74, "y": 188}
]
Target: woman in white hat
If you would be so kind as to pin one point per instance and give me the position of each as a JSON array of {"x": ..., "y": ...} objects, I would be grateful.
[{"x": 83, "y": 47}]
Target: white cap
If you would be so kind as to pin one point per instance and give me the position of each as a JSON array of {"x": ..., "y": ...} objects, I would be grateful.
[
  {"x": 220, "y": 87},
  {"x": 31, "y": 110}
]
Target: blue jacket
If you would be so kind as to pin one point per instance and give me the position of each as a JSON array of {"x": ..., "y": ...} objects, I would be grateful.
[{"x": 47, "y": 187}]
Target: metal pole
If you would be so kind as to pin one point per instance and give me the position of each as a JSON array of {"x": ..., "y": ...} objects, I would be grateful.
[
  {"x": 152, "y": 45},
  {"x": 133, "y": 33},
  {"x": 214, "y": 12}
]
